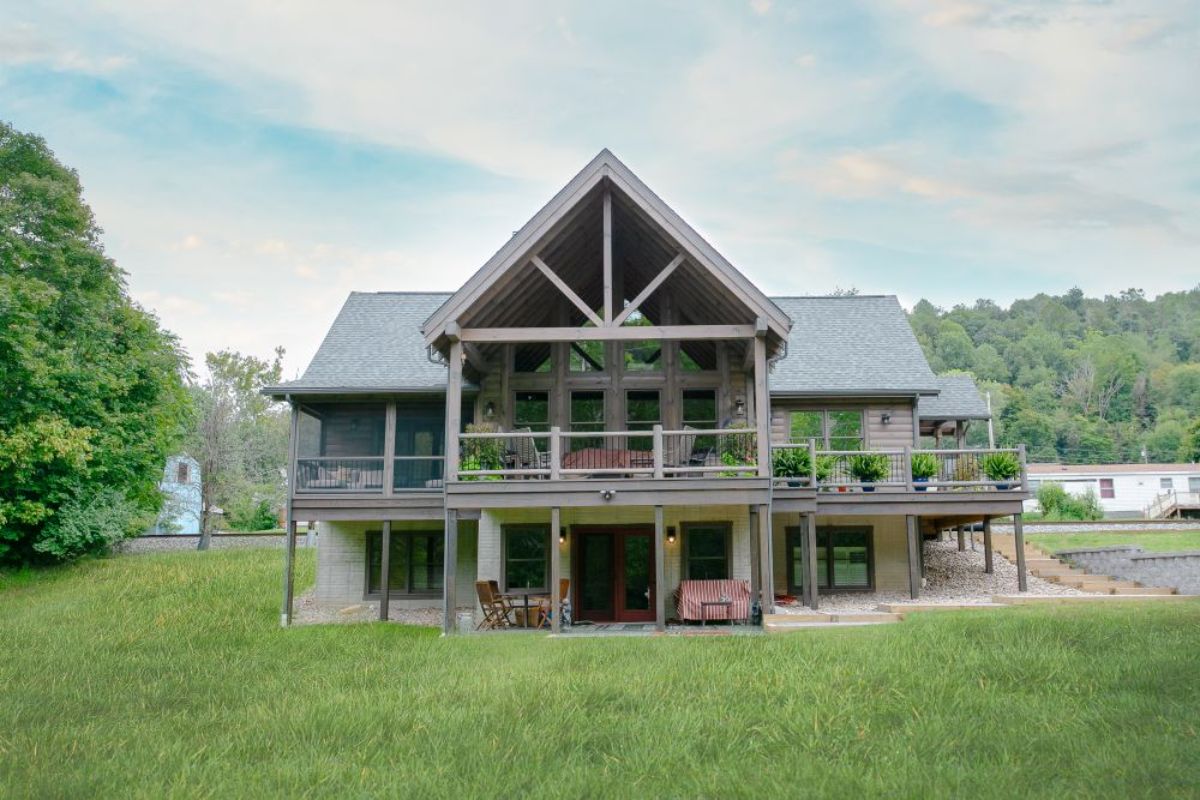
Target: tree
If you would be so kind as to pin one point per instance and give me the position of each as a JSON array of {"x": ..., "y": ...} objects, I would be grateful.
[
  {"x": 239, "y": 437},
  {"x": 91, "y": 388}
]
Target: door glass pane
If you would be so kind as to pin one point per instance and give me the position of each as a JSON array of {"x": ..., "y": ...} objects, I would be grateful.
[
  {"x": 397, "y": 565},
  {"x": 850, "y": 553},
  {"x": 807, "y": 425},
  {"x": 637, "y": 573},
  {"x": 596, "y": 573}
]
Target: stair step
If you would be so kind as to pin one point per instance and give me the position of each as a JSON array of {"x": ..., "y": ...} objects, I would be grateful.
[
  {"x": 1143, "y": 590},
  {"x": 785, "y": 627}
]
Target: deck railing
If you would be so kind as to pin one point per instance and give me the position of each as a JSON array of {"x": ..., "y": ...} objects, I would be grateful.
[
  {"x": 332, "y": 474},
  {"x": 654, "y": 453},
  {"x": 1170, "y": 502},
  {"x": 905, "y": 469}
]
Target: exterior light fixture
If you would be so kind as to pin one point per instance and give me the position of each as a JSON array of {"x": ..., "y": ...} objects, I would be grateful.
[
  {"x": 562, "y": 535},
  {"x": 671, "y": 534},
  {"x": 489, "y": 410},
  {"x": 886, "y": 418},
  {"x": 739, "y": 407}
]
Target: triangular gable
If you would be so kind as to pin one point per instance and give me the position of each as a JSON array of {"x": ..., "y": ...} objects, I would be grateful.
[{"x": 525, "y": 242}]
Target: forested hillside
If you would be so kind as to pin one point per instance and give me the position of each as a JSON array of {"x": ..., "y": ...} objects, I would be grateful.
[{"x": 1079, "y": 379}]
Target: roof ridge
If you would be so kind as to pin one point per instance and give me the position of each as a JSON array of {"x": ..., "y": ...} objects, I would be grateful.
[{"x": 830, "y": 296}]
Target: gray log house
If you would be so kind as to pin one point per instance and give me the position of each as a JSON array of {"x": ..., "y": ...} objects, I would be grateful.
[{"x": 603, "y": 402}]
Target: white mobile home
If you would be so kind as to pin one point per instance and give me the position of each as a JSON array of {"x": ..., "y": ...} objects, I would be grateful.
[{"x": 1124, "y": 490}]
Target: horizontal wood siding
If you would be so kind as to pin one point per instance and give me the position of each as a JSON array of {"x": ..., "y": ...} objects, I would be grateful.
[{"x": 896, "y": 434}]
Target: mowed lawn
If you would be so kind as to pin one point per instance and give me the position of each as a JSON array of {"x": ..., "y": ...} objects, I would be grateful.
[
  {"x": 1163, "y": 541},
  {"x": 168, "y": 676}
]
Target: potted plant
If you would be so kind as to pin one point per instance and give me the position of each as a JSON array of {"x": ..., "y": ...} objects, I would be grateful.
[
  {"x": 869, "y": 468},
  {"x": 792, "y": 463},
  {"x": 924, "y": 467},
  {"x": 482, "y": 454},
  {"x": 825, "y": 467},
  {"x": 1001, "y": 468}
]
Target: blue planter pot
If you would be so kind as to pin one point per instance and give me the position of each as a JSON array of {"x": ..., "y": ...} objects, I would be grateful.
[
  {"x": 920, "y": 480},
  {"x": 866, "y": 488}
]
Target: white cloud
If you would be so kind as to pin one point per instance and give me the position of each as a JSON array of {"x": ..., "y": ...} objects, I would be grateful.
[{"x": 22, "y": 43}]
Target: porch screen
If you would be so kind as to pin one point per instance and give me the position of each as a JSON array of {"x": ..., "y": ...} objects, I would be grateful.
[
  {"x": 706, "y": 547},
  {"x": 526, "y": 557},
  {"x": 414, "y": 564}
]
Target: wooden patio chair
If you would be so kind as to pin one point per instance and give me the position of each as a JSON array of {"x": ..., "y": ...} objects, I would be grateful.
[
  {"x": 528, "y": 454},
  {"x": 496, "y": 611},
  {"x": 545, "y": 607}
]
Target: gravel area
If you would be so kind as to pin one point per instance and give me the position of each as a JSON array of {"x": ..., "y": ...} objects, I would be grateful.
[
  {"x": 221, "y": 541},
  {"x": 1103, "y": 527},
  {"x": 951, "y": 578},
  {"x": 308, "y": 611}
]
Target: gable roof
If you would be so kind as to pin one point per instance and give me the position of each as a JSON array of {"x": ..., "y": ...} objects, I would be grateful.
[
  {"x": 853, "y": 345},
  {"x": 959, "y": 399},
  {"x": 374, "y": 344},
  {"x": 1113, "y": 469},
  {"x": 525, "y": 243}
]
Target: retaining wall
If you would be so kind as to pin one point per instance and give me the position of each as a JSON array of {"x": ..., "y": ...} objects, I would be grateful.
[{"x": 1180, "y": 571}]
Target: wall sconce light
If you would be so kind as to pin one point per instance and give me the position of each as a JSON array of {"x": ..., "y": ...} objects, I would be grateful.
[
  {"x": 671, "y": 534},
  {"x": 562, "y": 535},
  {"x": 607, "y": 494},
  {"x": 739, "y": 407},
  {"x": 489, "y": 410},
  {"x": 886, "y": 418}
]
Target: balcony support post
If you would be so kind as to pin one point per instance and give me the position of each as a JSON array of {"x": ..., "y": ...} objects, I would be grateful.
[
  {"x": 1019, "y": 545},
  {"x": 914, "y": 557},
  {"x": 766, "y": 571},
  {"x": 389, "y": 450},
  {"x": 453, "y": 403},
  {"x": 762, "y": 401},
  {"x": 385, "y": 563},
  {"x": 660, "y": 572},
  {"x": 555, "y": 570},
  {"x": 987, "y": 545},
  {"x": 450, "y": 565},
  {"x": 755, "y": 561},
  {"x": 289, "y": 546},
  {"x": 555, "y": 452},
  {"x": 809, "y": 555},
  {"x": 658, "y": 452}
]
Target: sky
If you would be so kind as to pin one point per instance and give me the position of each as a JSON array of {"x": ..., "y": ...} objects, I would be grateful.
[{"x": 252, "y": 162}]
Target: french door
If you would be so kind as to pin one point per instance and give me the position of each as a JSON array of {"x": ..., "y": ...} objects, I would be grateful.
[{"x": 614, "y": 573}]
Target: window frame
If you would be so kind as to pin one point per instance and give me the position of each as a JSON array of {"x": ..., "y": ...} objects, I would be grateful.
[
  {"x": 1110, "y": 488},
  {"x": 649, "y": 424},
  {"x": 183, "y": 472},
  {"x": 508, "y": 528},
  {"x": 533, "y": 427},
  {"x": 826, "y": 438},
  {"x": 410, "y": 535},
  {"x": 726, "y": 528},
  {"x": 1166, "y": 483},
  {"x": 794, "y": 533}
]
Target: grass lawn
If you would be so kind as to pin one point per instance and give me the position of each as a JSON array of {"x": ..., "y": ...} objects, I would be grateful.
[
  {"x": 166, "y": 676},
  {"x": 1147, "y": 540}
]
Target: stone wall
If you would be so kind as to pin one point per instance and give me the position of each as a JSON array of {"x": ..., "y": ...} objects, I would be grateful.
[{"x": 1180, "y": 571}]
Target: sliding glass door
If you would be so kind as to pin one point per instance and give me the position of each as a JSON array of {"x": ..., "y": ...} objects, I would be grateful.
[{"x": 845, "y": 559}]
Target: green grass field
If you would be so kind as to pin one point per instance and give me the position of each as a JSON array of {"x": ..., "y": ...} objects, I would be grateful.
[
  {"x": 167, "y": 676},
  {"x": 1147, "y": 540}
]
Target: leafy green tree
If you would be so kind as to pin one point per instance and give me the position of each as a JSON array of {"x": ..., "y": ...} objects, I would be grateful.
[{"x": 91, "y": 388}]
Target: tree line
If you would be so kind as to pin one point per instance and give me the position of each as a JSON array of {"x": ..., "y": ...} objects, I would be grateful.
[{"x": 1079, "y": 379}]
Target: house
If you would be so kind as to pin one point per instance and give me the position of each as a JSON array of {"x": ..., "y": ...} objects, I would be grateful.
[
  {"x": 1126, "y": 490},
  {"x": 602, "y": 404},
  {"x": 180, "y": 486}
]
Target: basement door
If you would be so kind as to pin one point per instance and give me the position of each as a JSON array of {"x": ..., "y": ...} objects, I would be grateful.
[{"x": 614, "y": 573}]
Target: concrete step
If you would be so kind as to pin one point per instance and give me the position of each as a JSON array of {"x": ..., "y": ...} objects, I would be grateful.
[
  {"x": 1035, "y": 599},
  {"x": 909, "y": 608},
  {"x": 788, "y": 627}
]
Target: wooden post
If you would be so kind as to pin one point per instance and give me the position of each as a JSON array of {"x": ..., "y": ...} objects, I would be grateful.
[
  {"x": 810, "y": 560},
  {"x": 812, "y": 463},
  {"x": 658, "y": 451},
  {"x": 389, "y": 450},
  {"x": 660, "y": 572},
  {"x": 608, "y": 262},
  {"x": 1024, "y": 468},
  {"x": 1019, "y": 545},
  {"x": 962, "y": 543},
  {"x": 987, "y": 545},
  {"x": 450, "y": 573},
  {"x": 764, "y": 553},
  {"x": 555, "y": 451},
  {"x": 762, "y": 403},
  {"x": 289, "y": 547},
  {"x": 385, "y": 563},
  {"x": 555, "y": 570},
  {"x": 453, "y": 406},
  {"x": 908, "y": 476},
  {"x": 755, "y": 562},
  {"x": 914, "y": 557}
]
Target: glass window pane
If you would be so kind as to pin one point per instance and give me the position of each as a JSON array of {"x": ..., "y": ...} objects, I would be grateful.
[
  {"x": 707, "y": 552},
  {"x": 342, "y": 430},
  {"x": 532, "y": 410},
  {"x": 427, "y": 564},
  {"x": 642, "y": 410},
  {"x": 587, "y": 411},
  {"x": 531, "y": 357},
  {"x": 807, "y": 425},
  {"x": 587, "y": 357},
  {"x": 525, "y": 557},
  {"x": 845, "y": 424},
  {"x": 850, "y": 554}
]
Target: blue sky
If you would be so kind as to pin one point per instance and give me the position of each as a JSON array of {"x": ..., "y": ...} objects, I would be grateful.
[{"x": 251, "y": 162}]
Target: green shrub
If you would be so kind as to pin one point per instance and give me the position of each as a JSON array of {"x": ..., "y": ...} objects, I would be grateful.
[
  {"x": 1058, "y": 505},
  {"x": 1001, "y": 466},
  {"x": 869, "y": 467},
  {"x": 252, "y": 516},
  {"x": 791, "y": 462},
  {"x": 482, "y": 454},
  {"x": 924, "y": 465},
  {"x": 90, "y": 525}
]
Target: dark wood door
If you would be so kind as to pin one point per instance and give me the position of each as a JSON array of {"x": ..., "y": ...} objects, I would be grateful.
[{"x": 614, "y": 574}]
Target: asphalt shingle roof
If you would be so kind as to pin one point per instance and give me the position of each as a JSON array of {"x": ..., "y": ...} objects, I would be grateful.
[
  {"x": 376, "y": 344},
  {"x": 859, "y": 344},
  {"x": 838, "y": 346},
  {"x": 960, "y": 399}
]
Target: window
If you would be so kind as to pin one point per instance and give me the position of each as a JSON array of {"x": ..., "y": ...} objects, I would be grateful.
[
  {"x": 845, "y": 559},
  {"x": 643, "y": 356},
  {"x": 587, "y": 414},
  {"x": 700, "y": 408},
  {"x": 832, "y": 429},
  {"x": 1166, "y": 483},
  {"x": 587, "y": 357},
  {"x": 1194, "y": 484},
  {"x": 420, "y": 444},
  {"x": 706, "y": 551},
  {"x": 642, "y": 410},
  {"x": 415, "y": 562},
  {"x": 1106, "y": 489},
  {"x": 531, "y": 357},
  {"x": 182, "y": 472},
  {"x": 532, "y": 410},
  {"x": 526, "y": 556}
]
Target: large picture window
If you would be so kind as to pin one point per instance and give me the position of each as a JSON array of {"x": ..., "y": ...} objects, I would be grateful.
[
  {"x": 833, "y": 429},
  {"x": 845, "y": 559},
  {"x": 415, "y": 563},
  {"x": 532, "y": 410},
  {"x": 526, "y": 557},
  {"x": 706, "y": 550}
]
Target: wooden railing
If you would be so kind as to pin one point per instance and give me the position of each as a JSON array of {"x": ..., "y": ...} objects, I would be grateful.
[
  {"x": 1166, "y": 503},
  {"x": 802, "y": 464},
  {"x": 654, "y": 453}
]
